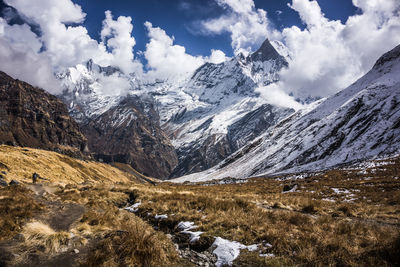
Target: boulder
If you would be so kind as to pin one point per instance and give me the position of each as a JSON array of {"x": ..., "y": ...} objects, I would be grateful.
[
  {"x": 14, "y": 182},
  {"x": 289, "y": 187}
]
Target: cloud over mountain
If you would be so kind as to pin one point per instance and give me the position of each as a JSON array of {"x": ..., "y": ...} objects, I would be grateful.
[{"x": 326, "y": 56}]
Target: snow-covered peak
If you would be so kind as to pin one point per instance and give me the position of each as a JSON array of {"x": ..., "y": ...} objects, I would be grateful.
[
  {"x": 266, "y": 52},
  {"x": 90, "y": 89}
]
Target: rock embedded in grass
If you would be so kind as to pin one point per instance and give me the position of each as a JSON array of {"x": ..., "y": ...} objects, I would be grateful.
[{"x": 14, "y": 182}]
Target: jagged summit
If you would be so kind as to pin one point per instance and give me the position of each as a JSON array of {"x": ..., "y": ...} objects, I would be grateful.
[{"x": 267, "y": 52}]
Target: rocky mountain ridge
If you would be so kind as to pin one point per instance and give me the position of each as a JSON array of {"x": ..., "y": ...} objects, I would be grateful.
[
  {"x": 29, "y": 116},
  {"x": 130, "y": 133}
]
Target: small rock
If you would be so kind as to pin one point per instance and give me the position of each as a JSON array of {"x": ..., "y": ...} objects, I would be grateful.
[
  {"x": 14, "y": 182},
  {"x": 177, "y": 247},
  {"x": 76, "y": 251},
  {"x": 288, "y": 187}
]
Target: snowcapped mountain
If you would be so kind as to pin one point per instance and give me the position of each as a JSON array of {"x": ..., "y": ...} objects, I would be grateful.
[
  {"x": 207, "y": 116},
  {"x": 212, "y": 104},
  {"x": 360, "y": 122}
]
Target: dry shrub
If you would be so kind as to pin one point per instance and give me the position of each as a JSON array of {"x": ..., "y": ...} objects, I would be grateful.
[
  {"x": 38, "y": 234},
  {"x": 299, "y": 219},
  {"x": 136, "y": 244}
]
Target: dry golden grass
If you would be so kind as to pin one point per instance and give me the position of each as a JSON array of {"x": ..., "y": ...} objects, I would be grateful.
[
  {"x": 21, "y": 163},
  {"x": 17, "y": 206},
  {"x": 123, "y": 239},
  {"x": 135, "y": 243},
  {"x": 313, "y": 226},
  {"x": 38, "y": 234},
  {"x": 357, "y": 224}
]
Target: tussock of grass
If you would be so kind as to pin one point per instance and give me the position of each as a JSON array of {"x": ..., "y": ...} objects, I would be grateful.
[
  {"x": 39, "y": 234},
  {"x": 135, "y": 244}
]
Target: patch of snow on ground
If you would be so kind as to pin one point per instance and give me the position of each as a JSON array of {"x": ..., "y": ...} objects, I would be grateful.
[
  {"x": 161, "y": 217},
  {"x": 226, "y": 181},
  {"x": 267, "y": 255},
  {"x": 186, "y": 226},
  {"x": 134, "y": 207},
  {"x": 227, "y": 251},
  {"x": 340, "y": 191},
  {"x": 252, "y": 248}
]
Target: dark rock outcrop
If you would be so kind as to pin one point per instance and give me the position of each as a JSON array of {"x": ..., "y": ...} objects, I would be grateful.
[
  {"x": 203, "y": 156},
  {"x": 267, "y": 52},
  {"x": 14, "y": 182},
  {"x": 130, "y": 133},
  {"x": 254, "y": 124},
  {"x": 31, "y": 117}
]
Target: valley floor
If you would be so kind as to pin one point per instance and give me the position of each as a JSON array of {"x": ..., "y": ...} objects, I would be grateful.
[{"x": 346, "y": 217}]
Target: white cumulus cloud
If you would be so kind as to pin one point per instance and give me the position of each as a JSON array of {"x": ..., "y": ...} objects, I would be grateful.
[
  {"x": 63, "y": 45},
  {"x": 166, "y": 59},
  {"x": 329, "y": 55},
  {"x": 19, "y": 57},
  {"x": 117, "y": 35},
  {"x": 247, "y": 25},
  {"x": 217, "y": 56}
]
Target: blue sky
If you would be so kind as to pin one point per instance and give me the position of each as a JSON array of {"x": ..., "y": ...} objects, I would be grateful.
[{"x": 179, "y": 17}]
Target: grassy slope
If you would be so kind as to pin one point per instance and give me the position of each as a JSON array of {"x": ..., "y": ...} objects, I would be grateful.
[{"x": 21, "y": 163}]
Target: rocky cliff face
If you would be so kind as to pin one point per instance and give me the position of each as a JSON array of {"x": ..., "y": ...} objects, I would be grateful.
[
  {"x": 32, "y": 117},
  {"x": 130, "y": 133}
]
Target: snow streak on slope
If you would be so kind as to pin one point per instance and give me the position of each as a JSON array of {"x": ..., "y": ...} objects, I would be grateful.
[{"x": 360, "y": 122}]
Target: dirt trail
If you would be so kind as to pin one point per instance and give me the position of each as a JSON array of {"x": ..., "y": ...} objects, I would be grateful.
[{"x": 59, "y": 216}]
